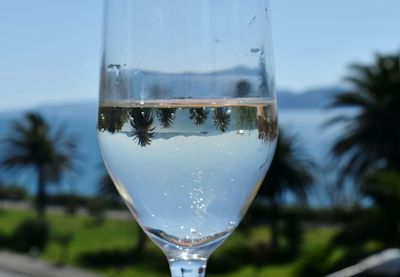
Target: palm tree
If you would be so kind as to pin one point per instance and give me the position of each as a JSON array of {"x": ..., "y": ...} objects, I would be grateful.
[
  {"x": 31, "y": 144},
  {"x": 222, "y": 118},
  {"x": 142, "y": 125},
  {"x": 198, "y": 115},
  {"x": 368, "y": 150},
  {"x": 371, "y": 140},
  {"x": 290, "y": 172},
  {"x": 107, "y": 190}
]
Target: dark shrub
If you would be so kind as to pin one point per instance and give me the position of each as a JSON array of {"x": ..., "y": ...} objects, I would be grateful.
[
  {"x": 12, "y": 192},
  {"x": 3, "y": 239},
  {"x": 30, "y": 235},
  {"x": 96, "y": 209}
]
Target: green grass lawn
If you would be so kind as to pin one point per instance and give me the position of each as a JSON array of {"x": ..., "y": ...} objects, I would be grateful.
[{"x": 233, "y": 258}]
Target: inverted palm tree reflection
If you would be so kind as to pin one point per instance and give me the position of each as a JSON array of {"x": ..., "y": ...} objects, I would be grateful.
[
  {"x": 222, "y": 118},
  {"x": 198, "y": 116},
  {"x": 166, "y": 117},
  {"x": 111, "y": 119},
  {"x": 141, "y": 121}
]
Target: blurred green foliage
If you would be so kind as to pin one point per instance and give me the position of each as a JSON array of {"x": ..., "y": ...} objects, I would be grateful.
[{"x": 108, "y": 248}]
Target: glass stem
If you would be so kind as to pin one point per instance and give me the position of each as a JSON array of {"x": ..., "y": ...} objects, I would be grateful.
[{"x": 188, "y": 268}]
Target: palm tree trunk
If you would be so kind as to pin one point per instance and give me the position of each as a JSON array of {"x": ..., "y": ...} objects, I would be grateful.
[
  {"x": 140, "y": 243},
  {"x": 274, "y": 226},
  {"x": 41, "y": 194}
]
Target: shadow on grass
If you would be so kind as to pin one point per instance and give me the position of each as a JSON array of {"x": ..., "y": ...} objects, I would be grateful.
[
  {"x": 239, "y": 255},
  {"x": 121, "y": 258},
  {"x": 223, "y": 262},
  {"x": 229, "y": 258}
]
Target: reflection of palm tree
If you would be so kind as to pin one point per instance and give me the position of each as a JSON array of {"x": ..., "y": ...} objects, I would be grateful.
[
  {"x": 157, "y": 91},
  {"x": 222, "y": 118},
  {"x": 290, "y": 172},
  {"x": 243, "y": 88},
  {"x": 32, "y": 145},
  {"x": 198, "y": 115},
  {"x": 111, "y": 119},
  {"x": 166, "y": 116},
  {"x": 372, "y": 137},
  {"x": 142, "y": 124}
]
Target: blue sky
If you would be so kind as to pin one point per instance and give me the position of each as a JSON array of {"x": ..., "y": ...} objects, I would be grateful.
[{"x": 50, "y": 50}]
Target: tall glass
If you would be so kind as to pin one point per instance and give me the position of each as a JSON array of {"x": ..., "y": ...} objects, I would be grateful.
[{"x": 187, "y": 120}]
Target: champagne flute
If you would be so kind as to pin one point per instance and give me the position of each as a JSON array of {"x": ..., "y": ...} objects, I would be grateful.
[{"x": 187, "y": 121}]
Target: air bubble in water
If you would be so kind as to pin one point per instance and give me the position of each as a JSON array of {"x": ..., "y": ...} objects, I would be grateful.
[{"x": 193, "y": 230}]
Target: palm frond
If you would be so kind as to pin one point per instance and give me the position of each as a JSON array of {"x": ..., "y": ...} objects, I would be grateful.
[
  {"x": 369, "y": 137},
  {"x": 352, "y": 100},
  {"x": 106, "y": 188},
  {"x": 290, "y": 171}
]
